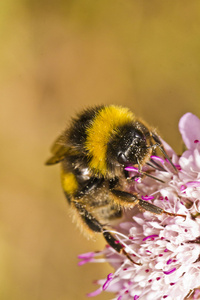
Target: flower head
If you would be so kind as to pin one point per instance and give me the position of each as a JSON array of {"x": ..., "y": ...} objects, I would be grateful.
[{"x": 167, "y": 247}]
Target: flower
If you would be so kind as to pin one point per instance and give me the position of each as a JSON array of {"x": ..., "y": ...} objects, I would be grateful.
[{"x": 167, "y": 247}]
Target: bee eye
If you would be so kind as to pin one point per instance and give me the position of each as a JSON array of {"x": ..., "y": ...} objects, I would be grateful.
[
  {"x": 122, "y": 159},
  {"x": 139, "y": 135}
]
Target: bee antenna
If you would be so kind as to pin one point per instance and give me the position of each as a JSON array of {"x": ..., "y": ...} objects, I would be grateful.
[
  {"x": 160, "y": 146},
  {"x": 155, "y": 165},
  {"x": 153, "y": 177},
  {"x": 167, "y": 157}
]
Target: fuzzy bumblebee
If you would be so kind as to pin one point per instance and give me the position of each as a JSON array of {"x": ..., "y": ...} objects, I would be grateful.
[{"x": 93, "y": 152}]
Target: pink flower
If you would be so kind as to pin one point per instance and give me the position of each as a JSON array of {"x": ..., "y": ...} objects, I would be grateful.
[{"x": 167, "y": 247}]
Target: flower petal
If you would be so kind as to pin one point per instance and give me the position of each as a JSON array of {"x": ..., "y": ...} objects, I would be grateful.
[{"x": 189, "y": 127}]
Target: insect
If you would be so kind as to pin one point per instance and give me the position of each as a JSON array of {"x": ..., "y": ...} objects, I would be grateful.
[{"x": 93, "y": 152}]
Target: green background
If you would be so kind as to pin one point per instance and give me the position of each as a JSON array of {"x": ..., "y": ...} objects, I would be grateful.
[{"x": 57, "y": 57}]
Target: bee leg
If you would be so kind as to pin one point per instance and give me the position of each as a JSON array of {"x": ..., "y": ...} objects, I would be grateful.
[
  {"x": 88, "y": 218},
  {"x": 125, "y": 199},
  {"x": 96, "y": 226},
  {"x": 115, "y": 244},
  {"x": 129, "y": 200},
  {"x": 156, "y": 209}
]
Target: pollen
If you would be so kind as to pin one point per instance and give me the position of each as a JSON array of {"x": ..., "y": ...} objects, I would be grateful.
[{"x": 69, "y": 182}]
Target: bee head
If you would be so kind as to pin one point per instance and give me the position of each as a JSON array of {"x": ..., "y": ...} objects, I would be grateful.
[{"x": 128, "y": 146}]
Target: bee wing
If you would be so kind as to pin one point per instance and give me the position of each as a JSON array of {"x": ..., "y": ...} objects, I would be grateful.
[{"x": 59, "y": 150}]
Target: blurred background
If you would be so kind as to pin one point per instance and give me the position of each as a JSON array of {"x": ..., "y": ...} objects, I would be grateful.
[{"x": 57, "y": 57}]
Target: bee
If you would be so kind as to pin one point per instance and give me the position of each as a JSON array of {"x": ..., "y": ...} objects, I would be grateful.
[{"x": 94, "y": 151}]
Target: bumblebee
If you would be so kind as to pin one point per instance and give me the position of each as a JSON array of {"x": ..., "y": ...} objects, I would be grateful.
[{"x": 93, "y": 152}]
